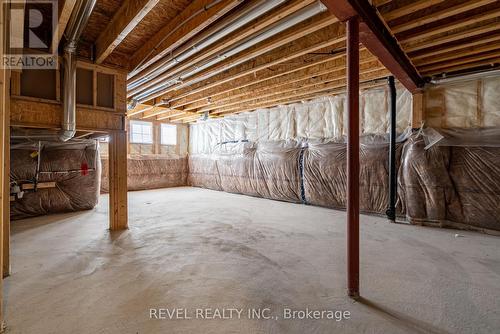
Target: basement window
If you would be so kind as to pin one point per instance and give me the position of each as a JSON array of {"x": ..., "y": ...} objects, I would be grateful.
[
  {"x": 141, "y": 132},
  {"x": 168, "y": 134}
]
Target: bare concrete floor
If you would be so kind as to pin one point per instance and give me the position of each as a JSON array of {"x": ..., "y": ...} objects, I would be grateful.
[{"x": 192, "y": 248}]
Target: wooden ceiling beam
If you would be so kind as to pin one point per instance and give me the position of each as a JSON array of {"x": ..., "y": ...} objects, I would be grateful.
[
  {"x": 449, "y": 48},
  {"x": 196, "y": 17},
  {"x": 458, "y": 54},
  {"x": 159, "y": 111},
  {"x": 378, "y": 39},
  {"x": 327, "y": 37},
  {"x": 123, "y": 22},
  {"x": 253, "y": 79},
  {"x": 467, "y": 66},
  {"x": 297, "y": 98},
  {"x": 65, "y": 9},
  {"x": 326, "y": 74},
  {"x": 308, "y": 85},
  {"x": 226, "y": 42},
  {"x": 464, "y": 60},
  {"x": 410, "y": 8},
  {"x": 456, "y": 24},
  {"x": 291, "y": 94},
  {"x": 288, "y": 36},
  {"x": 442, "y": 14},
  {"x": 454, "y": 37}
]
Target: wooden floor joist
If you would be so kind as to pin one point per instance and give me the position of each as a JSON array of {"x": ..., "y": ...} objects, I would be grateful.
[
  {"x": 455, "y": 37},
  {"x": 442, "y": 14},
  {"x": 457, "y": 47},
  {"x": 268, "y": 45},
  {"x": 322, "y": 39},
  {"x": 184, "y": 26},
  {"x": 225, "y": 43},
  {"x": 448, "y": 27},
  {"x": 327, "y": 77},
  {"x": 336, "y": 62},
  {"x": 458, "y": 54}
]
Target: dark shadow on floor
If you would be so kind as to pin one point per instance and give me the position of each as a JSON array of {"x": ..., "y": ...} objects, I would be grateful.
[{"x": 401, "y": 320}]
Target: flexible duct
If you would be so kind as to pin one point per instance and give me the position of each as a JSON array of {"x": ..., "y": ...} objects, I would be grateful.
[{"x": 76, "y": 24}]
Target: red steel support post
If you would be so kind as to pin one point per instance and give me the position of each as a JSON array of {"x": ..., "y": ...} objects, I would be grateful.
[{"x": 353, "y": 157}]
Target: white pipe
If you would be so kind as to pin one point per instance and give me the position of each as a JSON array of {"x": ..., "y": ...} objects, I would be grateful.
[
  {"x": 291, "y": 20},
  {"x": 244, "y": 17},
  {"x": 470, "y": 76}
]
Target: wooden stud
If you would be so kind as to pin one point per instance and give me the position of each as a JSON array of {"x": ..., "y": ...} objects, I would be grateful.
[
  {"x": 118, "y": 215},
  {"x": 417, "y": 116},
  {"x": 479, "y": 104},
  {"x": 40, "y": 185}
]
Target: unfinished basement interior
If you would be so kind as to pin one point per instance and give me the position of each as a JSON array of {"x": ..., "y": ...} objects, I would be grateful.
[{"x": 250, "y": 166}]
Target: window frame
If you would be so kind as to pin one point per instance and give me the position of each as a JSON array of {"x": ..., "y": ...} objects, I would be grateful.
[
  {"x": 169, "y": 126},
  {"x": 142, "y": 124}
]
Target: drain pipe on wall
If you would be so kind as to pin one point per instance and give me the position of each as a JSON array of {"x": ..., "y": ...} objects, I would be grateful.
[
  {"x": 391, "y": 211},
  {"x": 76, "y": 24}
]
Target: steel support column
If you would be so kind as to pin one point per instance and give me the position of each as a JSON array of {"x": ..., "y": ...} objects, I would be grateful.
[
  {"x": 391, "y": 211},
  {"x": 353, "y": 157}
]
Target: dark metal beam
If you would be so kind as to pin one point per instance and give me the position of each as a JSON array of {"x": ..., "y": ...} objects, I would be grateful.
[
  {"x": 353, "y": 157},
  {"x": 377, "y": 38},
  {"x": 391, "y": 211}
]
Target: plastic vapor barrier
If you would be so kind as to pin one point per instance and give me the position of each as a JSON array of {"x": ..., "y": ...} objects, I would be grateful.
[
  {"x": 74, "y": 167},
  {"x": 325, "y": 176},
  {"x": 454, "y": 185},
  {"x": 297, "y": 153},
  {"x": 150, "y": 172},
  {"x": 319, "y": 119}
]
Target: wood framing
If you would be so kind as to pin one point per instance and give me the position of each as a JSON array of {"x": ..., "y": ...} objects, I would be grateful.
[
  {"x": 4, "y": 164},
  {"x": 232, "y": 39},
  {"x": 37, "y": 113},
  {"x": 270, "y": 44},
  {"x": 118, "y": 208},
  {"x": 417, "y": 115},
  {"x": 192, "y": 20},
  {"x": 65, "y": 9},
  {"x": 124, "y": 21}
]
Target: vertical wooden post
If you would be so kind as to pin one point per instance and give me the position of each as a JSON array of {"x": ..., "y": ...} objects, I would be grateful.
[
  {"x": 353, "y": 157},
  {"x": 118, "y": 215},
  {"x": 156, "y": 138},
  {"x": 417, "y": 116},
  {"x": 4, "y": 161}
]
